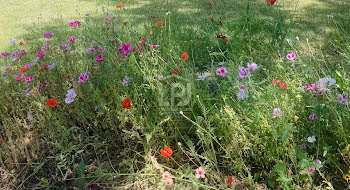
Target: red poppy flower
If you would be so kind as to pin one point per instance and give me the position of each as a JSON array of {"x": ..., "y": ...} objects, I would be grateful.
[
  {"x": 44, "y": 67},
  {"x": 18, "y": 78},
  {"x": 127, "y": 103},
  {"x": 229, "y": 180},
  {"x": 20, "y": 43},
  {"x": 225, "y": 41},
  {"x": 212, "y": 19},
  {"x": 274, "y": 81},
  {"x": 119, "y": 59},
  {"x": 143, "y": 42},
  {"x": 210, "y": 4},
  {"x": 184, "y": 56},
  {"x": 51, "y": 102},
  {"x": 221, "y": 24},
  {"x": 167, "y": 152},
  {"x": 120, "y": 5},
  {"x": 158, "y": 23},
  {"x": 153, "y": 17},
  {"x": 175, "y": 71},
  {"x": 35, "y": 91},
  {"x": 2, "y": 140},
  {"x": 26, "y": 39},
  {"x": 271, "y": 2},
  {"x": 283, "y": 85}
]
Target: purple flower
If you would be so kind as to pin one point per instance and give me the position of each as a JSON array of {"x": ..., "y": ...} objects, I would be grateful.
[
  {"x": 202, "y": 77},
  {"x": 35, "y": 61},
  {"x": 277, "y": 112},
  {"x": 52, "y": 66},
  {"x": 343, "y": 98},
  {"x": 47, "y": 35},
  {"x": 83, "y": 77},
  {"x": 100, "y": 48},
  {"x": 126, "y": 80},
  {"x": 243, "y": 72},
  {"x": 318, "y": 162},
  {"x": 313, "y": 117},
  {"x": 27, "y": 91},
  {"x": 64, "y": 47},
  {"x": 90, "y": 50},
  {"x": 221, "y": 71},
  {"x": 252, "y": 66},
  {"x": 241, "y": 95},
  {"x": 70, "y": 96},
  {"x": 46, "y": 46},
  {"x": 13, "y": 41},
  {"x": 124, "y": 49}
]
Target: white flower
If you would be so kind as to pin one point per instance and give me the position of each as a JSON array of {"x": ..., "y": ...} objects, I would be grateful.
[{"x": 311, "y": 139}]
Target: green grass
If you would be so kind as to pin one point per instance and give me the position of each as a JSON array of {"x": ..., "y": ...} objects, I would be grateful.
[{"x": 95, "y": 140}]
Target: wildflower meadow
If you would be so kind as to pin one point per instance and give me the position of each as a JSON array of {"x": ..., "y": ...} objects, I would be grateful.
[{"x": 175, "y": 94}]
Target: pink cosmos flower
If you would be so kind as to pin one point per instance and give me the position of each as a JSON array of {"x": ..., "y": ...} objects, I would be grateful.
[
  {"x": 200, "y": 173},
  {"x": 108, "y": 20},
  {"x": 48, "y": 35},
  {"x": 83, "y": 77},
  {"x": 291, "y": 56},
  {"x": 243, "y": 72},
  {"x": 343, "y": 98},
  {"x": 72, "y": 39},
  {"x": 252, "y": 66},
  {"x": 29, "y": 79},
  {"x": 221, "y": 71},
  {"x": 277, "y": 112},
  {"x": 165, "y": 175},
  {"x": 313, "y": 117},
  {"x": 311, "y": 170},
  {"x": 169, "y": 182},
  {"x": 41, "y": 54},
  {"x": 124, "y": 49},
  {"x": 154, "y": 46},
  {"x": 74, "y": 23},
  {"x": 4, "y": 54}
]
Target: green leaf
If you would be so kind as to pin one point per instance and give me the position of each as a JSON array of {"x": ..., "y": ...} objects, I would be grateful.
[{"x": 286, "y": 132}]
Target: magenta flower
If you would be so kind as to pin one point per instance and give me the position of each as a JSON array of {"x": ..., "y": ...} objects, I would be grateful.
[
  {"x": 311, "y": 170},
  {"x": 221, "y": 71},
  {"x": 72, "y": 39},
  {"x": 41, "y": 54},
  {"x": 100, "y": 48},
  {"x": 124, "y": 49},
  {"x": 291, "y": 56},
  {"x": 108, "y": 20},
  {"x": 40, "y": 85},
  {"x": 83, "y": 77},
  {"x": 243, "y": 72},
  {"x": 74, "y": 24},
  {"x": 313, "y": 117},
  {"x": 47, "y": 35},
  {"x": 4, "y": 54},
  {"x": 29, "y": 79},
  {"x": 343, "y": 98}
]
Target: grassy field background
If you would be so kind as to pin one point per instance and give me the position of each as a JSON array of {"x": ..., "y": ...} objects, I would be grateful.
[{"x": 94, "y": 143}]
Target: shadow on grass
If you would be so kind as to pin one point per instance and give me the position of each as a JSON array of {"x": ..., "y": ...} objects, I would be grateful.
[{"x": 95, "y": 125}]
